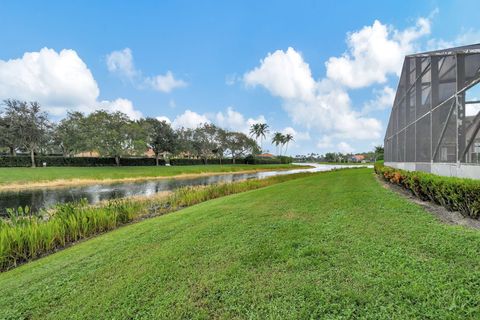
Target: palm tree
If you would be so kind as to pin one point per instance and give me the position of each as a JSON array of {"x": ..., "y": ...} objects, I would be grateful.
[
  {"x": 277, "y": 140},
  {"x": 259, "y": 130},
  {"x": 254, "y": 131},
  {"x": 286, "y": 139}
]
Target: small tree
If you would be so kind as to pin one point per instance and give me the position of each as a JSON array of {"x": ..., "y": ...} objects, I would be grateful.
[
  {"x": 110, "y": 134},
  {"x": 28, "y": 123},
  {"x": 238, "y": 144},
  {"x": 379, "y": 153},
  {"x": 206, "y": 140},
  {"x": 7, "y": 139},
  {"x": 72, "y": 134},
  {"x": 161, "y": 138}
]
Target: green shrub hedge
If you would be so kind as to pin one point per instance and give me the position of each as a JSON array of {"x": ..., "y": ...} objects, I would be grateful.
[
  {"x": 186, "y": 162},
  {"x": 277, "y": 160},
  {"x": 56, "y": 161},
  {"x": 455, "y": 194},
  {"x": 59, "y": 161}
]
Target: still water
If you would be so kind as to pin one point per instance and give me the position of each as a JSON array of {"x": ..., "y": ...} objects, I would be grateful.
[{"x": 37, "y": 199}]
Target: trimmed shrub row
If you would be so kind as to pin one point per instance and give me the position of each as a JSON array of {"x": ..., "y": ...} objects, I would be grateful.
[
  {"x": 58, "y": 161},
  {"x": 455, "y": 194},
  {"x": 276, "y": 160}
]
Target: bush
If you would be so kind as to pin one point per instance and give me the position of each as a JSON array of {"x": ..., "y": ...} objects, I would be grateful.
[
  {"x": 186, "y": 162},
  {"x": 59, "y": 161},
  {"x": 260, "y": 160},
  {"x": 140, "y": 162},
  {"x": 455, "y": 194},
  {"x": 193, "y": 162}
]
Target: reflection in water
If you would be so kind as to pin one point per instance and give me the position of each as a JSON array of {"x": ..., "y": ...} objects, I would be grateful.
[{"x": 43, "y": 198}]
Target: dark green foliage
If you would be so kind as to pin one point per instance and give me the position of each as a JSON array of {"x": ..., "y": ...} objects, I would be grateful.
[
  {"x": 277, "y": 160},
  {"x": 193, "y": 162},
  {"x": 455, "y": 194},
  {"x": 140, "y": 162},
  {"x": 53, "y": 161},
  {"x": 186, "y": 162},
  {"x": 56, "y": 161}
]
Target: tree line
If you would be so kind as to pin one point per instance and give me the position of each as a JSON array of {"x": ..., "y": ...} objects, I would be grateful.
[{"x": 24, "y": 127}]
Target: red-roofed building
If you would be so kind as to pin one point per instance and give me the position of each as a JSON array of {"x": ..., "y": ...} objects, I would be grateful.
[
  {"x": 266, "y": 155},
  {"x": 358, "y": 158}
]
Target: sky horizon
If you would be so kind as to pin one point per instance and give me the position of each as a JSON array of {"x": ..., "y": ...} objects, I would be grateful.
[{"x": 324, "y": 72}]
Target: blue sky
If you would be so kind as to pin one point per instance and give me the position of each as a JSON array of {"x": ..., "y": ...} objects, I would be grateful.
[{"x": 325, "y": 72}]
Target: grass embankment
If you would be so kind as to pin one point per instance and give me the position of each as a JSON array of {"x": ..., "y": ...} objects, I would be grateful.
[
  {"x": 334, "y": 245},
  {"x": 24, "y": 237},
  {"x": 62, "y": 176}
]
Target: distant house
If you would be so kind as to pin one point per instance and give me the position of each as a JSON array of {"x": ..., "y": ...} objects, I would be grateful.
[
  {"x": 150, "y": 153},
  {"x": 94, "y": 154},
  {"x": 358, "y": 158},
  {"x": 266, "y": 155}
]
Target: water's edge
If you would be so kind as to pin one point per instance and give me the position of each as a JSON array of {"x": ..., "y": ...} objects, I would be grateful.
[{"x": 37, "y": 199}]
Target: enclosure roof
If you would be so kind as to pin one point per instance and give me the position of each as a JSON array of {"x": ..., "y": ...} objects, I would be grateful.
[{"x": 472, "y": 48}]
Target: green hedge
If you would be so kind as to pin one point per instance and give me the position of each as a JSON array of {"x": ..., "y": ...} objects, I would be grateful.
[
  {"x": 277, "y": 160},
  {"x": 193, "y": 162},
  {"x": 455, "y": 194},
  {"x": 140, "y": 162},
  {"x": 56, "y": 161},
  {"x": 59, "y": 161},
  {"x": 186, "y": 162}
]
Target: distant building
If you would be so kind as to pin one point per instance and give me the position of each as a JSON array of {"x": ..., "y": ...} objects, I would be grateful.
[
  {"x": 94, "y": 154},
  {"x": 266, "y": 155},
  {"x": 435, "y": 120},
  {"x": 89, "y": 154},
  {"x": 358, "y": 158}
]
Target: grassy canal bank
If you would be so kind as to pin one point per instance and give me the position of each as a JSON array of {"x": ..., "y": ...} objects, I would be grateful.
[
  {"x": 332, "y": 245},
  {"x": 19, "y": 178}
]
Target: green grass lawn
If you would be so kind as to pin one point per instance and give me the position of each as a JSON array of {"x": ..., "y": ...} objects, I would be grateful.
[
  {"x": 24, "y": 175},
  {"x": 334, "y": 245}
]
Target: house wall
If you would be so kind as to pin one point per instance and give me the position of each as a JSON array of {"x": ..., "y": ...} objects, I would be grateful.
[{"x": 460, "y": 170}]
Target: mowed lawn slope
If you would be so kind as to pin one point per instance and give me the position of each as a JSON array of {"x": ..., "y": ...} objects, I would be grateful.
[
  {"x": 334, "y": 245},
  {"x": 26, "y": 175}
]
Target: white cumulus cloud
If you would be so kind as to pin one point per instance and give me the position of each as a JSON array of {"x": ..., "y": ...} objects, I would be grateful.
[
  {"x": 324, "y": 142},
  {"x": 374, "y": 52},
  {"x": 59, "y": 81},
  {"x": 344, "y": 147},
  {"x": 466, "y": 37},
  {"x": 285, "y": 74},
  {"x": 122, "y": 105},
  {"x": 297, "y": 135},
  {"x": 189, "y": 119},
  {"x": 121, "y": 62},
  {"x": 165, "y": 83},
  {"x": 234, "y": 120},
  {"x": 163, "y": 118},
  {"x": 322, "y": 105},
  {"x": 383, "y": 100}
]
